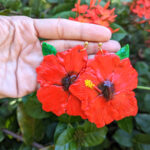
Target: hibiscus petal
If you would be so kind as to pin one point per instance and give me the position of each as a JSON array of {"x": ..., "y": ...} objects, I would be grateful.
[
  {"x": 125, "y": 76},
  {"x": 125, "y": 104},
  {"x": 81, "y": 91},
  {"x": 53, "y": 98},
  {"x": 50, "y": 71},
  {"x": 100, "y": 112},
  {"x": 74, "y": 107},
  {"x": 104, "y": 64},
  {"x": 74, "y": 60}
]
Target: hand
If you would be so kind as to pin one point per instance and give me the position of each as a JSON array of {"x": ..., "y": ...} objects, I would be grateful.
[{"x": 20, "y": 47}]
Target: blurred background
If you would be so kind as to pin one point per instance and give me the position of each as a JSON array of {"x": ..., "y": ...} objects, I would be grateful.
[{"x": 131, "y": 133}]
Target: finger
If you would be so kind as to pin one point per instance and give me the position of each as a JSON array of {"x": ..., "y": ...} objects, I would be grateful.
[
  {"x": 92, "y": 48},
  {"x": 71, "y": 30},
  {"x": 91, "y": 56}
]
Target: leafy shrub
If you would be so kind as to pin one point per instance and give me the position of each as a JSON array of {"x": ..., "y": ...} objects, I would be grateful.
[{"x": 23, "y": 124}]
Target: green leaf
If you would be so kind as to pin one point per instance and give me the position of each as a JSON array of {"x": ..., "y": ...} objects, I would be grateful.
[
  {"x": 123, "y": 52},
  {"x": 35, "y": 7},
  {"x": 59, "y": 129},
  {"x": 50, "y": 129},
  {"x": 102, "y": 3},
  {"x": 69, "y": 119},
  {"x": 13, "y": 4},
  {"x": 142, "y": 138},
  {"x": 11, "y": 124},
  {"x": 62, "y": 7},
  {"x": 69, "y": 146},
  {"x": 1, "y": 136},
  {"x": 66, "y": 136},
  {"x": 123, "y": 138},
  {"x": 103, "y": 146},
  {"x": 8, "y": 107},
  {"x": 32, "y": 129},
  {"x": 138, "y": 146},
  {"x": 33, "y": 107},
  {"x": 86, "y": 135},
  {"x": 120, "y": 34},
  {"x": 48, "y": 49},
  {"x": 5, "y": 12},
  {"x": 52, "y": 1},
  {"x": 126, "y": 124},
  {"x": 25, "y": 147},
  {"x": 143, "y": 80},
  {"x": 92, "y": 135},
  {"x": 2, "y": 122},
  {"x": 147, "y": 54},
  {"x": 143, "y": 121},
  {"x": 142, "y": 68},
  {"x": 144, "y": 102},
  {"x": 48, "y": 148},
  {"x": 65, "y": 14},
  {"x": 26, "y": 11}
]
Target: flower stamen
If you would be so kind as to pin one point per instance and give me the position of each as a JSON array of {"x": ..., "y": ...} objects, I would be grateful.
[
  {"x": 89, "y": 84},
  {"x": 107, "y": 89},
  {"x": 68, "y": 80}
]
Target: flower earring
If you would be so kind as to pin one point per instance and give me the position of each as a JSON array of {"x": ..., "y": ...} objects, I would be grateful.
[
  {"x": 86, "y": 43},
  {"x": 100, "y": 47},
  {"x": 99, "y": 89}
]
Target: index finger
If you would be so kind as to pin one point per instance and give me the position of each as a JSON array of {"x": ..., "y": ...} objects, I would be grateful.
[{"x": 71, "y": 30}]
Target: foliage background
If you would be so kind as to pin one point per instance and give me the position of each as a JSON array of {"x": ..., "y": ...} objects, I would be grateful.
[{"x": 25, "y": 118}]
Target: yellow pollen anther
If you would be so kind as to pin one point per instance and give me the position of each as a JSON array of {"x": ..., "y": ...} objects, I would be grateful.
[{"x": 88, "y": 83}]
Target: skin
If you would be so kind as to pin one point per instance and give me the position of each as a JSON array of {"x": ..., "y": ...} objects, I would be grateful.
[{"x": 20, "y": 47}]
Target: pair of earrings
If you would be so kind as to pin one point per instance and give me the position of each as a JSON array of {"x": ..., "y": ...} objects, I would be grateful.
[
  {"x": 99, "y": 46},
  {"x": 122, "y": 53}
]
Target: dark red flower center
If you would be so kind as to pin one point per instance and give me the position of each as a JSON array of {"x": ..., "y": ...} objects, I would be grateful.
[
  {"x": 68, "y": 80},
  {"x": 107, "y": 89}
]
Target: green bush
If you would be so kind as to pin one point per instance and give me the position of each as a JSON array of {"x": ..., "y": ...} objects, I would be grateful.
[{"x": 23, "y": 124}]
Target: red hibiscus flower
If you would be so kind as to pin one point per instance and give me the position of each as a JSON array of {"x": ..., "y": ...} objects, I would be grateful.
[
  {"x": 56, "y": 74},
  {"x": 105, "y": 89}
]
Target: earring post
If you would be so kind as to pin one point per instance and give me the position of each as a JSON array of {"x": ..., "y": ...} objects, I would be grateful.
[{"x": 100, "y": 47}]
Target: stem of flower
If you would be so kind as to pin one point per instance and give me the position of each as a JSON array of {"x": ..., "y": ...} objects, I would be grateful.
[
  {"x": 143, "y": 88},
  {"x": 20, "y": 138}
]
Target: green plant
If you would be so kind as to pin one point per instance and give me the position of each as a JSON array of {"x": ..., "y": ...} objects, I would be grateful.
[{"x": 25, "y": 126}]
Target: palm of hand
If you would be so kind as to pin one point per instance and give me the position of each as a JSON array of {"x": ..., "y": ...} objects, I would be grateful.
[{"x": 20, "y": 54}]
